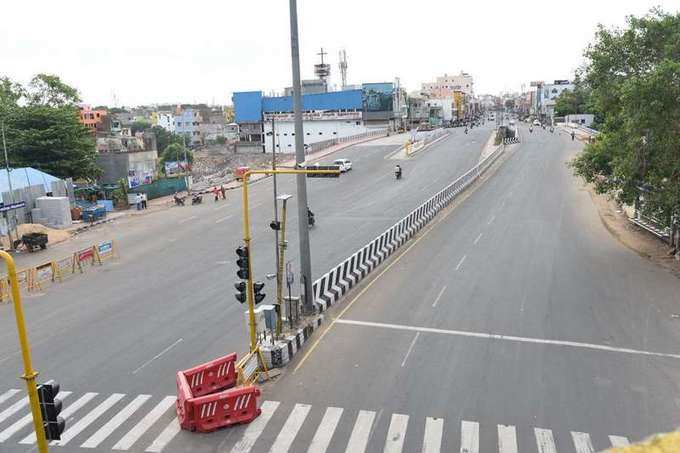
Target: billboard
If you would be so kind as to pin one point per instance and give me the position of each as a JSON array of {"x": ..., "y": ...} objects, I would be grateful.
[
  {"x": 378, "y": 97},
  {"x": 174, "y": 167}
]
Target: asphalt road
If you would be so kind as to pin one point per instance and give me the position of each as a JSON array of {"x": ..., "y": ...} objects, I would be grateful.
[
  {"x": 515, "y": 322},
  {"x": 121, "y": 332}
]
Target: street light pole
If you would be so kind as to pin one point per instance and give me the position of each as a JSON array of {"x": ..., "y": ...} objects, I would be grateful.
[
  {"x": 11, "y": 191},
  {"x": 303, "y": 229}
]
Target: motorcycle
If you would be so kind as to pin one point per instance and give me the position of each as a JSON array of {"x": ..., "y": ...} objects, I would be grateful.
[
  {"x": 397, "y": 174},
  {"x": 531, "y": 129},
  {"x": 466, "y": 130},
  {"x": 310, "y": 218},
  {"x": 197, "y": 199},
  {"x": 179, "y": 201}
]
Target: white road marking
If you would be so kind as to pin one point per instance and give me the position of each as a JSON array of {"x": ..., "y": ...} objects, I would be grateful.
[
  {"x": 324, "y": 433},
  {"x": 361, "y": 432},
  {"x": 545, "y": 441},
  {"x": 22, "y": 422},
  {"x": 460, "y": 263},
  {"x": 8, "y": 394},
  {"x": 493, "y": 217},
  {"x": 16, "y": 407},
  {"x": 164, "y": 437},
  {"x": 493, "y": 336},
  {"x": 618, "y": 441},
  {"x": 157, "y": 355},
  {"x": 144, "y": 424},
  {"x": 410, "y": 348},
  {"x": 223, "y": 219},
  {"x": 117, "y": 420},
  {"x": 582, "y": 442},
  {"x": 187, "y": 219},
  {"x": 478, "y": 238},
  {"x": 469, "y": 437},
  {"x": 432, "y": 439},
  {"x": 65, "y": 414},
  {"x": 255, "y": 428},
  {"x": 290, "y": 429},
  {"x": 439, "y": 296},
  {"x": 88, "y": 419},
  {"x": 396, "y": 434},
  {"x": 507, "y": 439}
]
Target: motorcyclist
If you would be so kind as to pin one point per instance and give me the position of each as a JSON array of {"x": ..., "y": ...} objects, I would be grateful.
[
  {"x": 572, "y": 135},
  {"x": 397, "y": 171},
  {"x": 310, "y": 217},
  {"x": 531, "y": 129}
]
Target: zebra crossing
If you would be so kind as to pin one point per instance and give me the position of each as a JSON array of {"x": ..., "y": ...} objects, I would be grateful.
[{"x": 123, "y": 422}]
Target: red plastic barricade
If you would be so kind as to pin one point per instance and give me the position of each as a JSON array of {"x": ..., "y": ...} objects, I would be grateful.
[
  {"x": 210, "y": 377},
  {"x": 225, "y": 408},
  {"x": 205, "y": 401},
  {"x": 185, "y": 415}
]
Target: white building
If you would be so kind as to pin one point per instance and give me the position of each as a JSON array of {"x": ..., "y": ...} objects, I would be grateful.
[
  {"x": 445, "y": 85},
  {"x": 547, "y": 94},
  {"x": 317, "y": 128},
  {"x": 166, "y": 121}
]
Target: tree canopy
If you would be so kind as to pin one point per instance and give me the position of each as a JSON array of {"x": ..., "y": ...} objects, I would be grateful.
[
  {"x": 43, "y": 130},
  {"x": 165, "y": 138},
  {"x": 174, "y": 152},
  {"x": 633, "y": 75}
]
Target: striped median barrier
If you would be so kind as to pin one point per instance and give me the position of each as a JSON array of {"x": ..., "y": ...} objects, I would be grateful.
[{"x": 339, "y": 280}]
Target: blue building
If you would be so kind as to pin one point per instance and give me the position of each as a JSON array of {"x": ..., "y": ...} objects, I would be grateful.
[{"x": 326, "y": 116}]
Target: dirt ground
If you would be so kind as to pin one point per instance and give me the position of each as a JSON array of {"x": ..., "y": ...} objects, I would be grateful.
[
  {"x": 53, "y": 236},
  {"x": 635, "y": 238},
  {"x": 215, "y": 163}
]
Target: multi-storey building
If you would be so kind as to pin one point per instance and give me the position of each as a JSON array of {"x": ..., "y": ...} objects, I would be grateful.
[{"x": 446, "y": 85}]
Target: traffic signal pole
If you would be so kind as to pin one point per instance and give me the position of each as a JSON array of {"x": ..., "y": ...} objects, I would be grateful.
[
  {"x": 246, "y": 239},
  {"x": 29, "y": 373}
]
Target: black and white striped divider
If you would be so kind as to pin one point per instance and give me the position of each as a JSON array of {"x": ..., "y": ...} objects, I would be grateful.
[
  {"x": 339, "y": 280},
  {"x": 510, "y": 140}
]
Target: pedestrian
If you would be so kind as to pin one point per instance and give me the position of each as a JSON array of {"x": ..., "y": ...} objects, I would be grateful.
[
  {"x": 143, "y": 201},
  {"x": 216, "y": 192},
  {"x": 138, "y": 201},
  {"x": 224, "y": 192},
  {"x": 572, "y": 136}
]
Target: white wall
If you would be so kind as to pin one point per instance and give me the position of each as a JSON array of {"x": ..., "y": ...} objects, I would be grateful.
[
  {"x": 167, "y": 121},
  {"x": 315, "y": 131}
]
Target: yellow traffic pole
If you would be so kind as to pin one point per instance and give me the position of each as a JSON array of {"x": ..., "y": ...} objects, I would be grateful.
[
  {"x": 249, "y": 284},
  {"x": 282, "y": 248},
  {"x": 246, "y": 240},
  {"x": 29, "y": 374}
]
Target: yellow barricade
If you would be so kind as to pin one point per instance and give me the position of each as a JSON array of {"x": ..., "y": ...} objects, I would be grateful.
[{"x": 34, "y": 278}]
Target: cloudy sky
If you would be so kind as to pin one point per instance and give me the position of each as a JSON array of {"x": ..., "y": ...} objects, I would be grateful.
[{"x": 136, "y": 52}]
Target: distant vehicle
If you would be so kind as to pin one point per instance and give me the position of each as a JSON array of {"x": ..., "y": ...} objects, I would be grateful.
[
  {"x": 512, "y": 122},
  {"x": 344, "y": 164},
  {"x": 537, "y": 123}
]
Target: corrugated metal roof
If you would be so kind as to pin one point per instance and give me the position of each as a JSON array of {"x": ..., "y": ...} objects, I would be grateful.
[{"x": 24, "y": 177}]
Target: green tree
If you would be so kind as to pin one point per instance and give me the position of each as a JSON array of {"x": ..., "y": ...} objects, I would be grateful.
[
  {"x": 164, "y": 138},
  {"x": 43, "y": 129},
  {"x": 139, "y": 126},
  {"x": 49, "y": 90},
  {"x": 634, "y": 79},
  {"x": 174, "y": 152}
]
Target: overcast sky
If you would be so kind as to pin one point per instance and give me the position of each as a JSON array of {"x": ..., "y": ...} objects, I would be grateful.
[{"x": 201, "y": 51}]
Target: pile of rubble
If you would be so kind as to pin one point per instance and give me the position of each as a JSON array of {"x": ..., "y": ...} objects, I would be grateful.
[{"x": 215, "y": 164}]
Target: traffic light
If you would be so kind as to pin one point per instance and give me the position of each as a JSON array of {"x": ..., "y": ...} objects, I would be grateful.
[
  {"x": 258, "y": 296},
  {"x": 241, "y": 287},
  {"x": 50, "y": 406},
  {"x": 242, "y": 262}
]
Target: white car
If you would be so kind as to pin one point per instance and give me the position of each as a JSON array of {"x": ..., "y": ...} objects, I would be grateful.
[
  {"x": 344, "y": 164},
  {"x": 537, "y": 123}
]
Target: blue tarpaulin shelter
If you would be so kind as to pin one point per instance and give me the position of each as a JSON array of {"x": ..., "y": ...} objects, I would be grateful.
[{"x": 24, "y": 177}]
